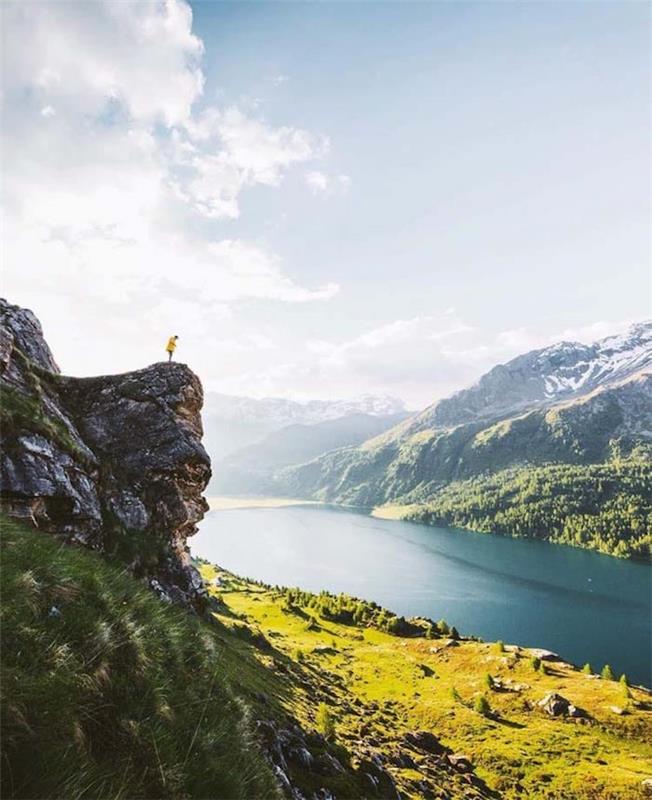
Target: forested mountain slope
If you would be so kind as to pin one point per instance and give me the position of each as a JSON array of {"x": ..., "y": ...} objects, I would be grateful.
[
  {"x": 251, "y": 469},
  {"x": 573, "y": 405}
]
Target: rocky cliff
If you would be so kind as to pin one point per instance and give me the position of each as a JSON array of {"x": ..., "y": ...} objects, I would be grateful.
[{"x": 114, "y": 462}]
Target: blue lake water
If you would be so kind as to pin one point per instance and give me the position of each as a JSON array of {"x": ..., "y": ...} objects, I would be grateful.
[{"x": 582, "y": 605}]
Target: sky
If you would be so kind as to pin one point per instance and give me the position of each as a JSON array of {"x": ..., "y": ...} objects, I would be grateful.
[{"x": 324, "y": 200}]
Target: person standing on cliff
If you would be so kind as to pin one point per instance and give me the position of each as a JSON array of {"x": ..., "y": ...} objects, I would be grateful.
[{"x": 171, "y": 346}]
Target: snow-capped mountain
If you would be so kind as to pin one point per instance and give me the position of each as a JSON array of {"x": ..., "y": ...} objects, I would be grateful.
[
  {"x": 564, "y": 370},
  {"x": 232, "y": 422},
  {"x": 584, "y": 367},
  {"x": 280, "y": 411},
  {"x": 566, "y": 404}
]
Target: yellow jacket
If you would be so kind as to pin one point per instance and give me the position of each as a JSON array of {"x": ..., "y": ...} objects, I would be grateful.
[{"x": 171, "y": 345}]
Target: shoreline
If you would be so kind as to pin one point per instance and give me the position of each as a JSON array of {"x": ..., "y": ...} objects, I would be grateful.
[{"x": 233, "y": 502}]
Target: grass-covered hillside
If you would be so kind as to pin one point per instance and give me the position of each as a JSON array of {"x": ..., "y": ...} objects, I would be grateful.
[
  {"x": 108, "y": 692},
  {"x": 605, "y": 507},
  {"x": 446, "y": 718}
]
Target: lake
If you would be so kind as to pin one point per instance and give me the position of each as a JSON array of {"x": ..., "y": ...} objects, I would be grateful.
[{"x": 583, "y": 605}]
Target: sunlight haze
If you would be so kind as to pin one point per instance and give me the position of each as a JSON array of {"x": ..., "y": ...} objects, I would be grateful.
[{"x": 324, "y": 200}]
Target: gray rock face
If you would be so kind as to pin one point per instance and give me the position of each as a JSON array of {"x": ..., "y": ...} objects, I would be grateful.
[{"x": 114, "y": 462}]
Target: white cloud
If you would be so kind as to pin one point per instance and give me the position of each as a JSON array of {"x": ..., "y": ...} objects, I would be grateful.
[
  {"x": 141, "y": 55},
  {"x": 248, "y": 152},
  {"x": 320, "y": 183},
  {"x": 421, "y": 359},
  {"x": 110, "y": 207},
  {"x": 596, "y": 330}
]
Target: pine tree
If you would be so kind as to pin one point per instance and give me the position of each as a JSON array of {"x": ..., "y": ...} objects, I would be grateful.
[{"x": 481, "y": 705}]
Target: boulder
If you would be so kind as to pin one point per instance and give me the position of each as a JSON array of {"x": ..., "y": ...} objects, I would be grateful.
[
  {"x": 557, "y": 706},
  {"x": 327, "y": 764},
  {"x": 424, "y": 740},
  {"x": 382, "y": 780},
  {"x": 544, "y": 655},
  {"x": 461, "y": 762}
]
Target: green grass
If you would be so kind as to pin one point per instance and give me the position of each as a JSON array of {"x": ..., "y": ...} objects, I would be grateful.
[
  {"x": 380, "y": 685},
  {"x": 107, "y": 692}
]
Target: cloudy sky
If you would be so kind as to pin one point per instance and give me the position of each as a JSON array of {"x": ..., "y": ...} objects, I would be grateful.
[{"x": 327, "y": 199}]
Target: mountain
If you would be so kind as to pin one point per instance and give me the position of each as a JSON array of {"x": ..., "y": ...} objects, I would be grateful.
[
  {"x": 567, "y": 404},
  {"x": 544, "y": 377},
  {"x": 251, "y": 470},
  {"x": 232, "y": 422}
]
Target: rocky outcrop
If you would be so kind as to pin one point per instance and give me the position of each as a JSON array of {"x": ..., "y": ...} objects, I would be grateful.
[{"x": 114, "y": 462}]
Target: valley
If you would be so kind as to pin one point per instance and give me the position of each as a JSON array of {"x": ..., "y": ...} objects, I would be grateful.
[{"x": 556, "y": 444}]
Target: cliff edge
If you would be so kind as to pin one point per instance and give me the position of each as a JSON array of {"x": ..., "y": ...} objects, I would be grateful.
[{"x": 114, "y": 462}]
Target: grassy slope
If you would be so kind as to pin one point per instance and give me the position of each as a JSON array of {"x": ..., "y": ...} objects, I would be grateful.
[
  {"x": 123, "y": 696},
  {"x": 605, "y": 507},
  {"x": 109, "y": 692},
  {"x": 380, "y": 686}
]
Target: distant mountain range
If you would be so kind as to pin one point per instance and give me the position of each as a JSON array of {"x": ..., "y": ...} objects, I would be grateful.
[
  {"x": 247, "y": 437},
  {"x": 252, "y": 469},
  {"x": 568, "y": 404}
]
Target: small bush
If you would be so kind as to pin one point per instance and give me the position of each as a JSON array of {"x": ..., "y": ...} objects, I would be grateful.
[
  {"x": 536, "y": 664},
  {"x": 607, "y": 673},
  {"x": 325, "y": 722},
  {"x": 587, "y": 669},
  {"x": 488, "y": 681},
  {"x": 500, "y": 646}
]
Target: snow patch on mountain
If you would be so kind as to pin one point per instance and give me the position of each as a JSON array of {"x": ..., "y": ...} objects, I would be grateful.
[
  {"x": 280, "y": 411},
  {"x": 588, "y": 366},
  {"x": 562, "y": 371}
]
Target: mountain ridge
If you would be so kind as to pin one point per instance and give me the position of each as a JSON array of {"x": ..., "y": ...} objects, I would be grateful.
[
  {"x": 502, "y": 422},
  {"x": 545, "y": 375}
]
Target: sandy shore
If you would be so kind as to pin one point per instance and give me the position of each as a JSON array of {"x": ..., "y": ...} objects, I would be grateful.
[
  {"x": 230, "y": 503},
  {"x": 392, "y": 511}
]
